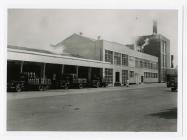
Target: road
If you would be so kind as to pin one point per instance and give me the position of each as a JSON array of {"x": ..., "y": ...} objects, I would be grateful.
[{"x": 141, "y": 108}]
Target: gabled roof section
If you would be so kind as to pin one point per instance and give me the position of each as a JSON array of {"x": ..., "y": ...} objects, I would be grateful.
[
  {"x": 91, "y": 39},
  {"x": 73, "y": 36}
]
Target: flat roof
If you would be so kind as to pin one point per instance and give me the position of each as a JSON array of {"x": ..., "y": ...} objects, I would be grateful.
[
  {"x": 122, "y": 48},
  {"x": 33, "y": 55}
]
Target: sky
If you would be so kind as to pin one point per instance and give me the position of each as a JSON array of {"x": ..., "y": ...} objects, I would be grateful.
[{"x": 38, "y": 28}]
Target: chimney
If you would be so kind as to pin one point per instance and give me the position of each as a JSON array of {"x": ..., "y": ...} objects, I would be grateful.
[
  {"x": 80, "y": 33},
  {"x": 172, "y": 57},
  {"x": 98, "y": 37},
  {"x": 154, "y": 27}
]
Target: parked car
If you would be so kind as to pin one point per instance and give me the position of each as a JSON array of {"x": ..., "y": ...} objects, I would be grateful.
[{"x": 99, "y": 82}]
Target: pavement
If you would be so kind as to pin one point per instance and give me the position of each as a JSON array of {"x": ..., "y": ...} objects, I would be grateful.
[
  {"x": 57, "y": 92},
  {"x": 138, "y": 108}
]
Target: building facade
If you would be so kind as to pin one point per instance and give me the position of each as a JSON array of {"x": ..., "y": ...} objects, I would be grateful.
[
  {"x": 156, "y": 45},
  {"x": 125, "y": 63}
]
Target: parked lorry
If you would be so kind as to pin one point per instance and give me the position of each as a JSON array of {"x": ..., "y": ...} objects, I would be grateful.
[
  {"x": 98, "y": 82},
  {"x": 172, "y": 81},
  {"x": 28, "y": 81},
  {"x": 70, "y": 80}
]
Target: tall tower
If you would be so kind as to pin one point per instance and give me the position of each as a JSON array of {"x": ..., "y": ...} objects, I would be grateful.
[{"x": 154, "y": 27}]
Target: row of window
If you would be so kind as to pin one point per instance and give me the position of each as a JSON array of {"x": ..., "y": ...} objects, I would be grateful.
[
  {"x": 109, "y": 75},
  {"x": 123, "y": 59},
  {"x": 109, "y": 56},
  {"x": 141, "y": 63},
  {"x": 118, "y": 58},
  {"x": 124, "y": 76},
  {"x": 150, "y": 75}
]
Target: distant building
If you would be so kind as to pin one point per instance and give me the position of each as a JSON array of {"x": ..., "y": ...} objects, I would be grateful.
[{"x": 156, "y": 45}]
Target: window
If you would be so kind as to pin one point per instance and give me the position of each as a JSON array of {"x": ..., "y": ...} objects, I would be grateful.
[
  {"x": 117, "y": 58},
  {"x": 109, "y": 76},
  {"x": 141, "y": 64},
  {"x": 124, "y": 60},
  {"x": 156, "y": 65},
  {"x": 109, "y": 56},
  {"x": 151, "y": 65},
  {"x": 124, "y": 76},
  {"x": 145, "y": 74},
  {"x": 145, "y": 64},
  {"x": 131, "y": 74},
  {"x": 137, "y": 62},
  {"x": 164, "y": 47},
  {"x": 150, "y": 75},
  {"x": 148, "y": 65}
]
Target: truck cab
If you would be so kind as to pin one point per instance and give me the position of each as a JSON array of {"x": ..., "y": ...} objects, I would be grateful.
[{"x": 172, "y": 81}]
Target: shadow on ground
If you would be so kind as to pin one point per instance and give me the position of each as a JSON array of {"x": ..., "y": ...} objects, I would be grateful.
[{"x": 166, "y": 114}]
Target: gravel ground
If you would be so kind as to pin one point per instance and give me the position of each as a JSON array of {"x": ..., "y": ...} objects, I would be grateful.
[{"x": 139, "y": 108}]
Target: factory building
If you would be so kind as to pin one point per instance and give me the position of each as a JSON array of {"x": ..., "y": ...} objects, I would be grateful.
[
  {"x": 87, "y": 58},
  {"x": 156, "y": 45},
  {"x": 126, "y": 63}
]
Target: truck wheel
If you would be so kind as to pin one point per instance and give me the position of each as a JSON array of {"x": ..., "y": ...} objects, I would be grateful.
[
  {"x": 18, "y": 88},
  {"x": 80, "y": 86},
  {"x": 46, "y": 87},
  {"x": 66, "y": 86},
  {"x": 40, "y": 88},
  {"x": 97, "y": 84}
]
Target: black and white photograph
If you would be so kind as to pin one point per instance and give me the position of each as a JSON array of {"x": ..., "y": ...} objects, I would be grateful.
[{"x": 113, "y": 70}]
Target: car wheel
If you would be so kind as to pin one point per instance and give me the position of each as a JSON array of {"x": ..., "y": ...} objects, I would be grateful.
[{"x": 18, "y": 88}]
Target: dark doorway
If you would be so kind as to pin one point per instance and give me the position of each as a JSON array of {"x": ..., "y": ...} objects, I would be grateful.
[
  {"x": 13, "y": 69},
  {"x": 117, "y": 77},
  {"x": 142, "y": 79},
  {"x": 53, "y": 70}
]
